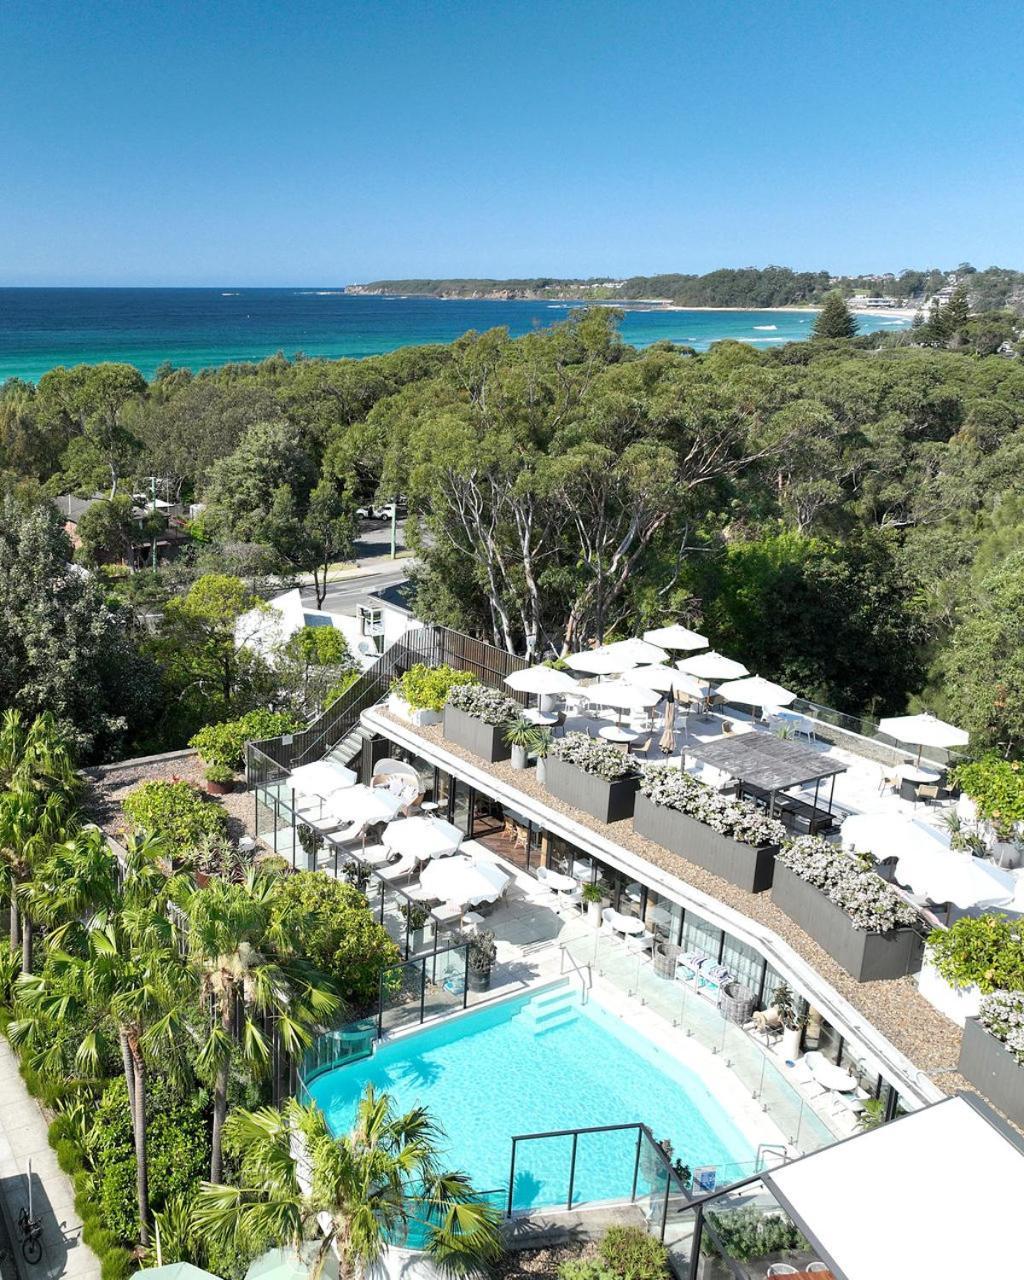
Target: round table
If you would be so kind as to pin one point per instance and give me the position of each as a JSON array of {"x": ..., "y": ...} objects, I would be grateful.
[
  {"x": 615, "y": 733},
  {"x": 912, "y": 776},
  {"x": 536, "y": 716},
  {"x": 559, "y": 882}
]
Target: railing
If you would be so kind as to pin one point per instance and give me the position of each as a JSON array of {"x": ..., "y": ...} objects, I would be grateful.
[
  {"x": 426, "y": 987},
  {"x": 681, "y": 1006}
]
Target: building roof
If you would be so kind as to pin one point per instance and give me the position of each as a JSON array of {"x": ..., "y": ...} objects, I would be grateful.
[
  {"x": 72, "y": 508},
  {"x": 399, "y": 595},
  {"x": 934, "y": 1193},
  {"x": 764, "y": 761}
]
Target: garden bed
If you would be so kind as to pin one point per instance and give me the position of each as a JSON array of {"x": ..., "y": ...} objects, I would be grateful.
[
  {"x": 472, "y": 734},
  {"x": 866, "y": 956},
  {"x": 743, "y": 865},
  {"x": 991, "y": 1068},
  {"x": 604, "y": 800}
]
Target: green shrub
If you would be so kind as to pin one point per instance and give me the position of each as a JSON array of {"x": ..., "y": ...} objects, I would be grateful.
[
  {"x": 176, "y": 810},
  {"x": 585, "y": 1269},
  {"x": 337, "y": 933},
  {"x": 750, "y": 1233},
  {"x": 220, "y": 773},
  {"x": 178, "y": 1148},
  {"x": 118, "y": 1264},
  {"x": 97, "y": 1237},
  {"x": 997, "y": 788},
  {"x": 69, "y": 1155},
  {"x": 224, "y": 744},
  {"x": 632, "y": 1254},
  {"x": 985, "y": 951},
  {"x": 60, "y": 1127},
  {"x": 426, "y": 688}
]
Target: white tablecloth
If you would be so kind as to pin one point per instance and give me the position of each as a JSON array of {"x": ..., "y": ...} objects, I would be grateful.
[{"x": 614, "y": 733}]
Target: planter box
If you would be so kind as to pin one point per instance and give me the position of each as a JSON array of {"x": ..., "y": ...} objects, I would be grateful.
[
  {"x": 741, "y": 864},
  {"x": 484, "y": 740},
  {"x": 957, "y": 1003},
  {"x": 990, "y": 1067},
  {"x": 865, "y": 956},
  {"x": 401, "y": 708},
  {"x": 606, "y": 801}
]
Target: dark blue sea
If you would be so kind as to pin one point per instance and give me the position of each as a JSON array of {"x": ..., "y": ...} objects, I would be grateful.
[{"x": 201, "y": 328}]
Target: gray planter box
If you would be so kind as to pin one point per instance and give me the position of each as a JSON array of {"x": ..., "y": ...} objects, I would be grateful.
[
  {"x": 484, "y": 740},
  {"x": 606, "y": 801},
  {"x": 990, "y": 1067},
  {"x": 741, "y": 864},
  {"x": 865, "y": 956}
]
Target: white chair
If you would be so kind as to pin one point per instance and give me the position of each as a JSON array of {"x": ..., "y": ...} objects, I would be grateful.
[
  {"x": 817, "y": 1269},
  {"x": 781, "y": 1269},
  {"x": 639, "y": 942},
  {"x": 800, "y": 1074}
]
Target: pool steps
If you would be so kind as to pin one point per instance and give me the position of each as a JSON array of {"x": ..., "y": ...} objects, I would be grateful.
[{"x": 550, "y": 1009}]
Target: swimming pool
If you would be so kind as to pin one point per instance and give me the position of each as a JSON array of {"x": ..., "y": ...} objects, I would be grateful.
[{"x": 534, "y": 1064}]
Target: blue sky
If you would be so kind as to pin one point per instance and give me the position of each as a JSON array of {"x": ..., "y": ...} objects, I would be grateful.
[{"x": 323, "y": 143}]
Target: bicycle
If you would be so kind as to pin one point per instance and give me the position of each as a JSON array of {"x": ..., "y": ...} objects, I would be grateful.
[{"x": 31, "y": 1232}]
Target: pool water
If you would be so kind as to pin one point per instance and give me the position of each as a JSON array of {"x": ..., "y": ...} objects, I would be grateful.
[{"x": 539, "y": 1063}]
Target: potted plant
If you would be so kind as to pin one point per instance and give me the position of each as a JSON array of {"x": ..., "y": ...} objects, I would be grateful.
[
  {"x": 784, "y": 1004},
  {"x": 312, "y": 842},
  {"x": 590, "y": 774},
  {"x": 482, "y": 954},
  {"x": 420, "y": 693},
  {"x": 416, "y": 917},
  {"x": 593, "y": 896},
  {"x": 476, "y": 717},
  {"x": 542, "y": 741},
  {"x": 520, "y": 734},
  {"x": 219, "y": 779}
]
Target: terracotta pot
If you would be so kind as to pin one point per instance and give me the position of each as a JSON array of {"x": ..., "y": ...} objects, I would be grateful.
[{"x": 218, "y": 788}]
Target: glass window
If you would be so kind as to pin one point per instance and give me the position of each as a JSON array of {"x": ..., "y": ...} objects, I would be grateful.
[
  {"x": 663, "y": 917},
  {"x": 743, "y": 962},
  {"x": 698, "y": 935}
]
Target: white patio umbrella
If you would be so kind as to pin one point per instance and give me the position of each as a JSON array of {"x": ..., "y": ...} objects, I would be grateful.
[
  {"x": 889, "y": 835},
  {"x": 541, "y": 680},
  {"x": 924, "y": 730},
  {"x": 656, "y": 676},
  {"x": 623, "y": 696},
  {"x": 613, "y": 659},
  {"x": 712, "y": 666},
  {"x": 422, "y": 837},
  {"x": 959, "y": 878},
  {"x": 321, "y": 778},
  {"x": 365, "y": 804},
  {"x": 755, "y": 691},
  {"x": 463, "y": 881},
  {"x": 676, "y": 636},
  {"x": 637, "y": 651}
]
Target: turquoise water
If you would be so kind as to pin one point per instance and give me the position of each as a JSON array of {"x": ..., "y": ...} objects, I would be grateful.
[
  {"x": 488, "y": 1075},
  {"x": 202, "y": 328}
]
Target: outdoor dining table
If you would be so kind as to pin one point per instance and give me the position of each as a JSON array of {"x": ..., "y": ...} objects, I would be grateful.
[
  {"x": 538, "y": 717},
  {"x": 615, "y": 733},
  {"x": 563, "y": 884},
  {"x": 912, "y": 776}
]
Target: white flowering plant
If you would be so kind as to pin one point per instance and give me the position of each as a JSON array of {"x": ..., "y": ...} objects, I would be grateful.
[
  {"x": 1002, "y": 1016},
  {"x": 484, "y": 703},
  {"x": 738, "y": 819},
  {"x": 870, "y": 903},
  {"x": 593, "y": 755}
]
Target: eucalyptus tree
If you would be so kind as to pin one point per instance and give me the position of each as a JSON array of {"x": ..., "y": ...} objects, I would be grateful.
[
  {"x": 363, "y": 1191},
  {"x": 248, "y": 971}
]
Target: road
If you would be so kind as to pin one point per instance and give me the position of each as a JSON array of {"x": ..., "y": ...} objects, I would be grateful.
[{"x": 372, "y": 547}]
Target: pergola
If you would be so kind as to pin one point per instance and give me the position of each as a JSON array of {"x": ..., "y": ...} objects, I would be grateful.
[{"x": 766, "y": 767}]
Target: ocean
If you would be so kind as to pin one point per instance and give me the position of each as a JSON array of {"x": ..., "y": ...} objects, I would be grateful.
[{"x": 201, "y": 328}]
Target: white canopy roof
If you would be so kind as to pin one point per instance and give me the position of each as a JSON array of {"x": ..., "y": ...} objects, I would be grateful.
[
  {"x": 884, "y": 1204},
  {"x": 712, "y": 666},
  {"x": 321, "y": 778},
  {"x": 365, "y": 804},
  {"x": 422, "y": 837},
  {"x": 676, "y": 636},
  {"x": 923, "y": 730},
  {"x": 755, "y": 691},
  {"x": 887, "y": 835},
  {"x": 463, "y": 881},
  {"x": 541, "y": 680},
  {"x": 627, "y": 697}
]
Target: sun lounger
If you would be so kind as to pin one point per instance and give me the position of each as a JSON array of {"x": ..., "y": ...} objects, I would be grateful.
[{"x": 400, "y": 870}]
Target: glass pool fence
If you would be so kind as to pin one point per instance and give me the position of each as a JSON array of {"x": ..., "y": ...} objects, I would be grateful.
[{"x": 695, "y": 1014}]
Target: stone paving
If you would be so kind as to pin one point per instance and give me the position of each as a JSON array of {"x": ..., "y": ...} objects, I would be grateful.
[{"x": 23, "y": 1139}]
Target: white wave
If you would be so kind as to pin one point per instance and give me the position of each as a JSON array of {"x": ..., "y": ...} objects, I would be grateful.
[
  {"x": 766, "y": 326},
  {"x": 329, "y": 293},
  {"x": 229, "y": 295}
]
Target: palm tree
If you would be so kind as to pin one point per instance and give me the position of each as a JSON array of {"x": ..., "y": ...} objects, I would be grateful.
[
  {"x": 365, "y": 1190},
  {"x": 245, "y": 953},
  {"x": 126, "y": 973},
  {"x": 37, "y": 804}
]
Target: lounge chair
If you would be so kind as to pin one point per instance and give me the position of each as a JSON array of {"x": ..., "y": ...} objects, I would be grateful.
[
  {"x": 639, "y": 942},
  {"x": 800, "y": 1074},
  {"x": 403, "y": 869}
]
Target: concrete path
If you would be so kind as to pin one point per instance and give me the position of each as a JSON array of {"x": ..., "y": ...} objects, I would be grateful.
[{"x": 22, "y": 1139}]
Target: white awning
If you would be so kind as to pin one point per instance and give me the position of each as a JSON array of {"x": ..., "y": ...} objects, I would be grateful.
[{"x": 900, "y": 1200}]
